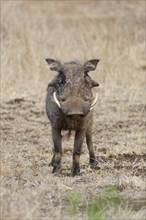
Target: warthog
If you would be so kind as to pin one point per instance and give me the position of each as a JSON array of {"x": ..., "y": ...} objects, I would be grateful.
[{"x": 69, "y": 106}]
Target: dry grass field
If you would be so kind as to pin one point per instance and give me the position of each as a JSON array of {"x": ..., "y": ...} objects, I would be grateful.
[{"x": 113, "y": 31}]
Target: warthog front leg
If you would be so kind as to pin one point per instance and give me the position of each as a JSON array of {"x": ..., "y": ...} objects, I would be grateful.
[
  {"x": 78, "y": 142},
  {"x": 92, "y": 158},
  {"x": 56, "y": 159}
]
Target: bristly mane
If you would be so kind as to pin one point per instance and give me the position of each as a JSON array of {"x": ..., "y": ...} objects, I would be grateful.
[{"x": 73, "y": 62}]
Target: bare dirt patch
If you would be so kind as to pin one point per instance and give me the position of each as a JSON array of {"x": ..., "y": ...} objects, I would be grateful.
[{"x": 26, "y": 153}]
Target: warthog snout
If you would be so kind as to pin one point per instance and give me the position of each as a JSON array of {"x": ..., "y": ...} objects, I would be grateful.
[
  {"x": 75, "y": 103},
  {"x": 74, "y": 106},
  {"x": 69, "y": 106}
]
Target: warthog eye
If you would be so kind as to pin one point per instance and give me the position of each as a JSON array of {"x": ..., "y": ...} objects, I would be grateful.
[
  {"x": 86, "y": 99},
  {"x": 61, "y": 72},
  {"x": 88, "y": 80},
  {"x": 59, "y": 80},
  {"x": 61, "y": 77}
]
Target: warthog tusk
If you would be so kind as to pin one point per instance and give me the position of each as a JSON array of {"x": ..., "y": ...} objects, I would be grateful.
[
  {"x": 94, "y": 102},
  {"x": 56, "y": 100},
  {"x": 91, "y": 107}
]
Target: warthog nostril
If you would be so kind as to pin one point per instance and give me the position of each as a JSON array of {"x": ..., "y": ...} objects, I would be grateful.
[
  {"x": 70, "y": 116},
  {"x": 81, "y": 116},
  {"x": 75, "y": 115},
  {"x": 62, "y": 98}
]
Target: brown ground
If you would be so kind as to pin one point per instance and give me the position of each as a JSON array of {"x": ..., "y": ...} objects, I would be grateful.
[{"x": 31, "y": 32}]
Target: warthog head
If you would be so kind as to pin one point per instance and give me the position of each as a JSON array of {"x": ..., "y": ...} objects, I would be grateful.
[{"x": 73, "y": 87}]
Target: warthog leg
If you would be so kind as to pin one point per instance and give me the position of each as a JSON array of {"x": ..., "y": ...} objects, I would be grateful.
[
  {"x": 56, "y": 160},
  {"x": 92, "y": 158},
  {"x": 78, "y": 142}
]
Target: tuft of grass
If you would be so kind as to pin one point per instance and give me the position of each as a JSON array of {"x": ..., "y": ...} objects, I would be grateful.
[
  {"x": 93, "y": 207},
  {"x": 73, "y": 200},
  {"x": 97, "y": 206},
  {"x": 111, "y": 194}
]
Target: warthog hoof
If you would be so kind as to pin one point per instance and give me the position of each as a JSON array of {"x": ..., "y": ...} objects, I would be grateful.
[
  {"x": 94, "y": 164},
  {"x": 56, "y": 166},
  {"x": 75, "y": 171}
]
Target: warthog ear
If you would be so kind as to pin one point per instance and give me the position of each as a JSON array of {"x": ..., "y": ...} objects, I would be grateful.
[
  {"x": 91, "y": 65},
  {"x": 54, "y": 65}
]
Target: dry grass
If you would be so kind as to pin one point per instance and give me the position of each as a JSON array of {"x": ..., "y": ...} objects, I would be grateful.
[{"x": 35, "y": 30}]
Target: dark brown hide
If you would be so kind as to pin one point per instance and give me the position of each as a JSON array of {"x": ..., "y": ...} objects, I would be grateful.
[{"x": 70, "y": 109}]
